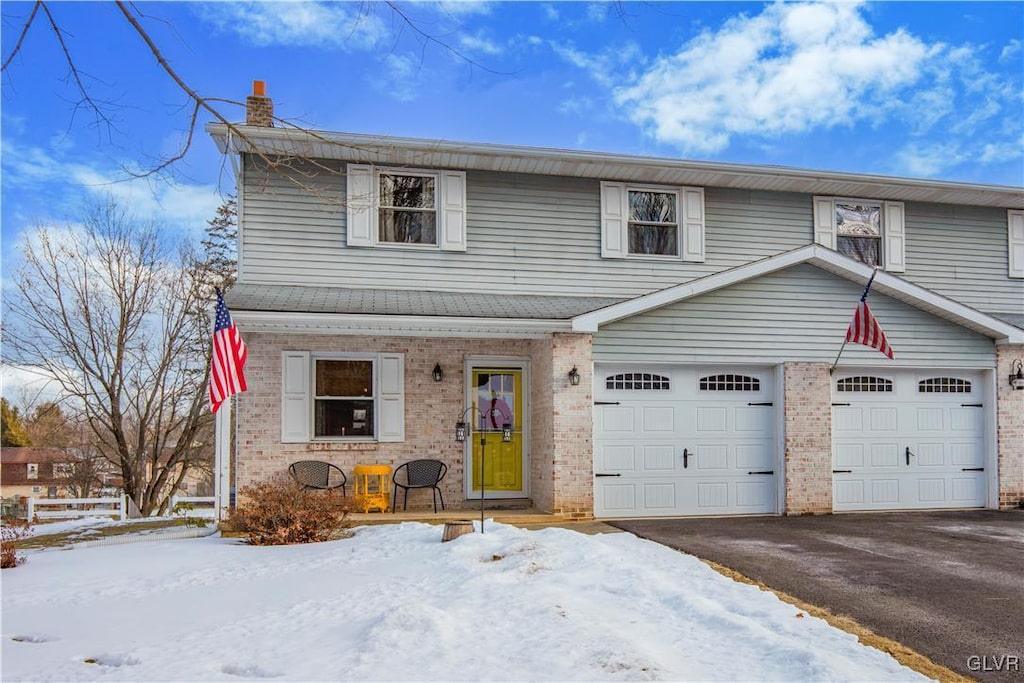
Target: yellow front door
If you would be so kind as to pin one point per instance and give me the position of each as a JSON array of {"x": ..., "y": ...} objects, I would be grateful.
[{"x": 498, "y": 399}]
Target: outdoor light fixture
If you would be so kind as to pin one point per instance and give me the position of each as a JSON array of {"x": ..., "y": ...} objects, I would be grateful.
[
  {"x": 438, "y": 373},
  {"x": 574, "y": 377},
  {"x": 506, "y": 432},
  {"x": 460, "y": 431},
  {"x": 1017, "y": 377}
]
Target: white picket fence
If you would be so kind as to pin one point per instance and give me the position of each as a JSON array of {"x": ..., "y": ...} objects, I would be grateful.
[
  {"x": 62, "y": 508},
  {"x": 43, "y": 508}
]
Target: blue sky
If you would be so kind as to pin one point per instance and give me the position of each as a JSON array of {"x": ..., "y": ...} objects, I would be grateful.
[{"x": 910, "y": 89}]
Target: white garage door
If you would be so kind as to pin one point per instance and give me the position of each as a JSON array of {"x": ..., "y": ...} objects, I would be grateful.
[
  {"x": 908, "y": 440},
  {"x": 676, "y": 441}
]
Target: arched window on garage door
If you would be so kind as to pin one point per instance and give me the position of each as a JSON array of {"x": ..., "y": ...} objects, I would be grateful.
[
  {"x": 944, "y": 385},
  {"x": 637, "y": 381},
  {"x": 730, "y": 383},
  {"x": 865, "y": 383}
]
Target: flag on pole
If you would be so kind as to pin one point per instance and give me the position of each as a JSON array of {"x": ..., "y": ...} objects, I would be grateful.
[
  {"x": 864, "y": 329},
  {"x": 227, "y": 359}
]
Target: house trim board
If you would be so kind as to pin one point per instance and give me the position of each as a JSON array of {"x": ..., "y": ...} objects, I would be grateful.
[{"x": 398, "y": 325}]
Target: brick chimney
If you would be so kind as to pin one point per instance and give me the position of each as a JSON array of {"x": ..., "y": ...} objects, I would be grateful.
[{"x": 259, "y": 109}]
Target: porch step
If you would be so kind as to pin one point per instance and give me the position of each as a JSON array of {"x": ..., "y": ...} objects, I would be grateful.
[{"x": 513, "y": 516}]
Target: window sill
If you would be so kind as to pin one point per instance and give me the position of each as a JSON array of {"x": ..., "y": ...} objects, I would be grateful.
[{"x": 316, "y": 446}]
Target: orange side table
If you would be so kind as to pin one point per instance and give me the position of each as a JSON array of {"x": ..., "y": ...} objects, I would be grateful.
[{"x": 373, "y": 487}]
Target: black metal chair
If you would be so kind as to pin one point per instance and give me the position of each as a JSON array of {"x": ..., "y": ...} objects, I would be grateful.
[
  {"x": 418, "y": 474},
  {"x": 315, "y": 474}
]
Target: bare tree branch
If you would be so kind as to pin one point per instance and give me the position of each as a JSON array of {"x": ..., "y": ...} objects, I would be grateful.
[{"x": 21, "y": 38}]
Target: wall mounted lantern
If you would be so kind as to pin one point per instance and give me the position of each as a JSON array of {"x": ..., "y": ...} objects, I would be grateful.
[
  {"x": 460, "y": 431},
  {"x": 574, "y": 377},
  {"x": 506, "y": 432},
  {"x": 1017, "y": 375},
  {"x": 438, "y": 373}
]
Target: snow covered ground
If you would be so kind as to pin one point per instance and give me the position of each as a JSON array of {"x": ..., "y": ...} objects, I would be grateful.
[{"x": 394, "y": 603}]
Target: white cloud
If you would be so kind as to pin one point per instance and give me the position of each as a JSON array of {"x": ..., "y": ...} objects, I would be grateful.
[
  {"x": 794, "y": 68},
  {"x": 1010, "y": 52},
  {"x": 344, "y": 26},
  {"x": 479, "y": 44},
  {"x": 32, "y": 169},
  {"x": 464, "y": 7},
  {"x": 25, "y": 385},
  {"x": 597, "y": 11},
  {"x": 400, "y": 76},
  {"x": 550, "y": 13}
]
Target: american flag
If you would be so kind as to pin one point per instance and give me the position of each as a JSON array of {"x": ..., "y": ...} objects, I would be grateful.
[
  {"x": 864, "y": 329},
  {"x": 227, "y": 359}
]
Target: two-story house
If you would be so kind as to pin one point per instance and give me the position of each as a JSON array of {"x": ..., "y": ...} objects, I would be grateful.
[{"x": 625, "y": 336}]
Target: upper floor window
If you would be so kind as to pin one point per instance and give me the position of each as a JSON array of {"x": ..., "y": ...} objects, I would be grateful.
[
  {"x": 421, "y": 209},
  {"x": 651, "y": 221},
  {"x": 1015, "y": 243},
  {"x": 63, "y": 469},
  {"x": 870, "y": 231},
  {"x": 859, "y": 231},
  {"x": 408, "y": 210},
  {"x": 33, "y": 470}
]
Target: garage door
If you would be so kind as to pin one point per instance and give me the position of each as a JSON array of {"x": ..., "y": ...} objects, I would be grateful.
[
  {"x": 675, "y": 441},
  {"x": 908, "y": 440}
]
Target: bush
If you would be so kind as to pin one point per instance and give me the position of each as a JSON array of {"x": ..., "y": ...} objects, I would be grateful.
[
  {"x": 13, "y": 530},
  {"x": 281, "y": 513}
]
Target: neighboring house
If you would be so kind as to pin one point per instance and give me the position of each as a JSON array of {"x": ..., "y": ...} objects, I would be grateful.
[
  {"x": 701, "y": 306},
  {"x": 35, "y": 472}
]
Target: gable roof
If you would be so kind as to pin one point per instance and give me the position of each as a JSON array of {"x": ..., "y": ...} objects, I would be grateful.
[
  {"x": 826, "y": 259},
  {"x": 415, "y": 152},
  {"x": 12, "y": 455}
]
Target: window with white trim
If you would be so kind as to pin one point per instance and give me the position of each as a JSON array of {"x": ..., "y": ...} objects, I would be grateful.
[
  {"x": 944, "y": 385},
  {"x": 33, "y": 470},
  {"x": 865, "y": 383},
  {"x": 63, "y": 469},
  {"x": 652, "y": 221},
  {"x": 727, "y": 382},
  {"x": 410, "y": 208},
  {"x": 637, "y": 381},
  {"x": 867, "y": 230},
  {"x": 342, "y": 397},
  {"x": 1015, "y": 243}
]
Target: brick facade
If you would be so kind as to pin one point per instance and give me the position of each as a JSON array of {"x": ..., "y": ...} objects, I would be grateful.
[
  {"x": 808, "y": 438},
  {"x": 431, "y": 411},
  {"x": 1009, "y": 428}
]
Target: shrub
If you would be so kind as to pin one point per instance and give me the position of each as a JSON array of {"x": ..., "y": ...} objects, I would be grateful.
[
  {"x": 281, "y": 513},
  {"x": 13, "y": 530}
]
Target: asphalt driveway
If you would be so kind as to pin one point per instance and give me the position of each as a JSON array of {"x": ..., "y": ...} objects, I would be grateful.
[{"x": 947, "y": 584}]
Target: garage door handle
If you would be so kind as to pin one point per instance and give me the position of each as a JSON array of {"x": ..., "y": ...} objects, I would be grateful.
[
  {"x": 973, "y": 469},
  {"x": 602, "y": 474},
  {"x": 606, "y": 403},
  {"x": 769, "y": 403},
  {"x": 842, "y": 471},
  {"x": 686, "y": 457},
  {"x": 972, "y": 405},
  {"x": 763, "y": 472},
  {"x": 909, "y": 454}
]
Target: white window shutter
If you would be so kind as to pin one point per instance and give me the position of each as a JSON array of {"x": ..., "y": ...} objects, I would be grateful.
[
  {"x": 1015, "y": 242},
  {"x": 452, "y": 213},
  {"x": 296, "y": 411},
  {"x": 360, "y": 205},
  {"x": 391, "y": 397},
  {"x": 894, "y": 231},
  {"x": 693, "y": 223},
  {"x": 614, "y": 219},
  {"x": 825, "y": 222}
]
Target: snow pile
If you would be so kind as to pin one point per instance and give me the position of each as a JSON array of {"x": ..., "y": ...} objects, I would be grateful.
[{"x": 394, "y": 603}]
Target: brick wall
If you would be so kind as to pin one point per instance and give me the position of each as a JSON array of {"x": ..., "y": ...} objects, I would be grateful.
[
  {"x": 1009, "y": 428},
  {"x": 572, "y": 453},
  {"x": 808, "y": 441},
  {"x": 431, "y": 410}
]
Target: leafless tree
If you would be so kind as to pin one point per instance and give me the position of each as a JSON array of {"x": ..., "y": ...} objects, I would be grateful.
[
  {"x": 115, "y": 315},
  {"x": 218, "y": 109}
]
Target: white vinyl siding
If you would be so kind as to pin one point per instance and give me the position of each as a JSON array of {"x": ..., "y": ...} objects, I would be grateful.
[
  {"x": 800, "y": 313},
  {"x": 297, "y": 394},
  {"x": 533, "y": 234},
  {"x": 688, "y": 219},
  {"x": 363, "y": 199}
]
